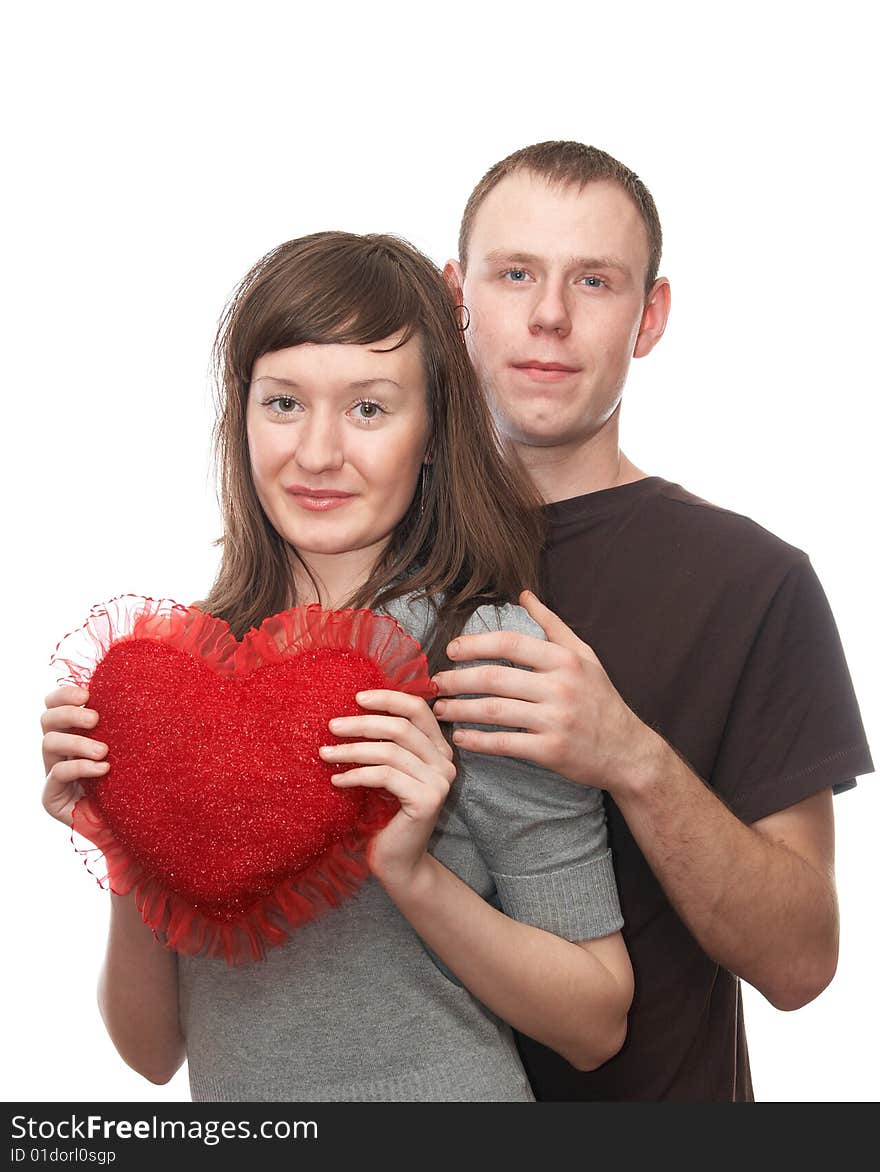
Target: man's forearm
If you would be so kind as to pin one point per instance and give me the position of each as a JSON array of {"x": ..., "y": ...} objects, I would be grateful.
[{"x": 754, "y": 905}]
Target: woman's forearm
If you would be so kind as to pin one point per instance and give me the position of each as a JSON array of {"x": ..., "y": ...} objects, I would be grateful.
[
  {"x": 560, "y": 993},
  {"x": 137, "y": 995}
]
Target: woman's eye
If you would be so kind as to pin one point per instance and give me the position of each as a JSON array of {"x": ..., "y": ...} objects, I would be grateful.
[
  {"x": 367, "y": 410},
  {"x": 283, "y": 404}
]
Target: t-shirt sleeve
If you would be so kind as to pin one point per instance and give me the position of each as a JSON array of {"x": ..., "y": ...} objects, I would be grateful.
[
  {"x": 543, "y": 838},
  {"x": 794, "y": 726}
]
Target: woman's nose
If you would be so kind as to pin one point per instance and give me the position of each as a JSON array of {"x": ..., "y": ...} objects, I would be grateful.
[{"x": 319, "y": 444}]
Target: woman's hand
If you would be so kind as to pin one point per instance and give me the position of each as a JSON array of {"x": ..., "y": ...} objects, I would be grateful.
[
  {"x": 67, "y": 756},
  {"x": 406, "y": 755}
]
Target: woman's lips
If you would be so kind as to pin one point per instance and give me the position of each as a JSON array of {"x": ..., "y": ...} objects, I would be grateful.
[
  {"x": 317, "y": 501},
  {"x": 545, "y": 372}
]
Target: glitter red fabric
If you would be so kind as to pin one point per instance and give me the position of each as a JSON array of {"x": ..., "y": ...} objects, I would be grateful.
[{"x": 217, "y": 810}]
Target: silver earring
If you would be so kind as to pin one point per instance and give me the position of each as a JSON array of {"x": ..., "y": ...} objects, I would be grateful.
[{"x": 423, "y": 476}]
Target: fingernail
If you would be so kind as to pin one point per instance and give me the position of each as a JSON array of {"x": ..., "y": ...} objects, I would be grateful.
[
  {"x": 102, "y": 765},
  {"x": 99, "y": 750},
  {"x": 452, "y": 649},
  {"x": 325, "y": 750},
  {"x": 458, "y": 737},
  {"x": 334, "y": 723}
]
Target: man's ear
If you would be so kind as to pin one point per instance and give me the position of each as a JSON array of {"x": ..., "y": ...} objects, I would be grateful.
[
  {"x": 654, "y": 318},
  {"x": 454, "y": 278}
]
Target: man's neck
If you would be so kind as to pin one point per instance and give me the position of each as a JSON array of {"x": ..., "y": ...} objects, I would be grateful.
[{"x": 566, "y": 471}]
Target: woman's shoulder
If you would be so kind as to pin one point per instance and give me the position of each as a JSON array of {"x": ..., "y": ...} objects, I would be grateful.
[
  {"x": 418, "y": 614},
  {"x": 508, "y": 617},
  {"x": 415, "y": 613}
]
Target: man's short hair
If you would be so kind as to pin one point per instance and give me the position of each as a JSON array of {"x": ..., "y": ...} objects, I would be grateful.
[{"x": 566, "y": 163}]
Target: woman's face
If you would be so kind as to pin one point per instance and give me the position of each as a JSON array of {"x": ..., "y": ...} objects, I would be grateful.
[{"x": 337, "y": 436}]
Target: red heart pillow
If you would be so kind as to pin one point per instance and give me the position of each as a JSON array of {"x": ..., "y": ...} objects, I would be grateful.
[{"x": 217, "y": 810}]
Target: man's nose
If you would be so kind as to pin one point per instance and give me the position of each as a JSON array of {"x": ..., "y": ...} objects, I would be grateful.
[
  {"x": 550, "y": 310},
  {"x": 319, "y": 444}
]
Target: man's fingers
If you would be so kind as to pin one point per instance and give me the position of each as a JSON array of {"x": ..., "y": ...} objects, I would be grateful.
[
  {"x": 492, "y": 710},
  {"x": 551, "y": 624},
  {"x": 500, "y": 744},
  {"x": 493, "y": 679},
  {"x": 525, "y": 650}
]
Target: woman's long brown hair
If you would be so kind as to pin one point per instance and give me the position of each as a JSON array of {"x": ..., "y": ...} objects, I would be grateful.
[{"x": 472, "y": 536}]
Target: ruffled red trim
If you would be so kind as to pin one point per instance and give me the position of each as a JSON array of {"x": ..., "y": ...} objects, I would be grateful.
[
  {"x": 132, "y": 616},
  {"x": 322, "y": 884}
]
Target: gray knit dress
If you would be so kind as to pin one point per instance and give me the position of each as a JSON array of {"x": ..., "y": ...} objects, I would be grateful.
[{"x": 354, "y": 1008}]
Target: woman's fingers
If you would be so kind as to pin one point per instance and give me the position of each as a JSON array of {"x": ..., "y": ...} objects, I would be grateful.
[
  {"x": 65, "y": 713},
  {"x": 65, "y": 773},
  {"x": 68, "y": 758},
  {"x": 392, "y": 728},
  {"x": 412, "y": 708},
  {"x": 63, "y": 744},
  {"x": 67, "y": 716},
  {"x": 69, "y": 694},
  {"x": 63, "y": 787},
  {"x": 416, "y": 799},
  {"x": 395, "y": 757}
]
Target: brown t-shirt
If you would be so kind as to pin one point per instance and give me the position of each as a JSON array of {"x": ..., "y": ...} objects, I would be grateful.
[{"x": 718, "y": 635}]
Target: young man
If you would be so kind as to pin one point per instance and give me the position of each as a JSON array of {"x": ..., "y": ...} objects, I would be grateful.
[{"x": 692, "y": 667}]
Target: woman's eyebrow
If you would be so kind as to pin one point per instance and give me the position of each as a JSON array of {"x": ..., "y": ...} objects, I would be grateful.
[
  {"x": 361, "y": 384},
  {"x": 272, "y": 378},
  {"x": 364, "y": 384}
]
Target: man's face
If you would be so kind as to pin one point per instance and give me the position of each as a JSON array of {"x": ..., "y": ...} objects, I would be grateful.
[{"x": 555, "y": 289}]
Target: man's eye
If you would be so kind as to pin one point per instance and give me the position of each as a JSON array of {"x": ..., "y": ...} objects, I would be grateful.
[
  {"x": 593, "y": 282},
  {"x": 516, "y": 275}
]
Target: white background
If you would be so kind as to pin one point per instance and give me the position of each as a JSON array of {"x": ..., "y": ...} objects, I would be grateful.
[{"x": 153, "y": 152}]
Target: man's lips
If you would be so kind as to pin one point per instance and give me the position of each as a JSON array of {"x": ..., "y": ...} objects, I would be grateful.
[
  {"x": 545, "y": 372},
  {"x": 534, "y": 364}
]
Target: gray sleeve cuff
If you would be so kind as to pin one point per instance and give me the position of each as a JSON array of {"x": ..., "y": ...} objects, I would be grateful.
[{"x": 579, "y": 903}]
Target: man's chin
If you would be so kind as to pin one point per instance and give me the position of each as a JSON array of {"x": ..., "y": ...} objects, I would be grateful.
[{"x": 533, "y": 432}]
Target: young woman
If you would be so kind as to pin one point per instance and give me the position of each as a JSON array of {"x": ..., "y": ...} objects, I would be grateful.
[{"x": 359, "y": 468}]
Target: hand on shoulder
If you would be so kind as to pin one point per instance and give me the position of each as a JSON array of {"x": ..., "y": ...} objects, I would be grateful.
[{"x": 576, "y": 723}]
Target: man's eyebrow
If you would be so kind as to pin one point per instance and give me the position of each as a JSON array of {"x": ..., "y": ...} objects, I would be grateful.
[{"x": 500, "y": 256}]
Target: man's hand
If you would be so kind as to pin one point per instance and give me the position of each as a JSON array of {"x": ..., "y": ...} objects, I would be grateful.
[{"x": 576, "y": 722}]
